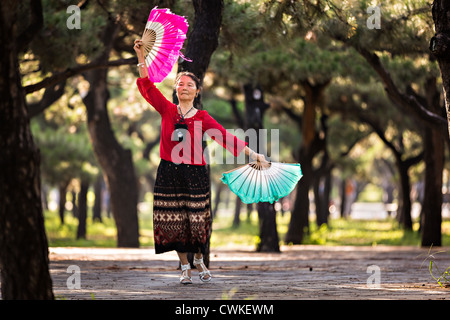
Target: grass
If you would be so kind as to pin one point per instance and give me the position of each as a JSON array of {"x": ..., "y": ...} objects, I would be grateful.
[
  {"x": 337, "y": 232},
  {"x": 442, "y": 277},
  {"x": 363, "y": 233},
  {"x": 99, "y": 234}
]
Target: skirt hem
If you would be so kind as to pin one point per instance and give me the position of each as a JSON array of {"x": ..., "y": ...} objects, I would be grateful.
[{"x": 180, "y": 247}]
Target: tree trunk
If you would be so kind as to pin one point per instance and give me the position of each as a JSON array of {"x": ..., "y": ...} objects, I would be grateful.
[
  {"x": 204, "y": 38},
  {"x": 202, "y": 43},
  {"x": 322, "y": 189},
  {"x": 269, "y": 241},
  {"x": 343, "y": 197},
  {"x": 404, "y": 191},
  {"x": 434, "y": 165},
  {"x": 97, "y": 210},
  {"x": 74, "y": 204},
  {"x": 320, "y": 219},
  {"x": 249, "y": 211},
  {"x": 404, "y": 199},
  {"x": 44, "y": 197},
  {"x": 82, "y": 210},
  {"x": 322, "y": 181},
  {"x": 299, "y": 222},
  {"x": 327, "y": 193},
  {"x": 255, "y": 108},
  {"x": 219, "y": 189},
  {"x": 62, "y": 201},
  {"x": 237, "y": 213},
  {"x": 117, "y": 164},
  {"x": 440, "y": 46},
  {"x": 23, "y": 243},
  {"x": 432, "y": 204},
  {"x": 311, "y": 145}
]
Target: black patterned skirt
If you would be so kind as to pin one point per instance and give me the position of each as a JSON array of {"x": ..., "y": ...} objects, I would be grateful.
[{"x": 181, "y": 208}]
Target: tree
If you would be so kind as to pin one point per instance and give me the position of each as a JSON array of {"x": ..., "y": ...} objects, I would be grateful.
[
  {"x": 367, "y": 104},
  {"x": 312, "y": 144},
  {"x": 204, "y": 37},
  {"x": 404, "y": 32},
  {"x": 440, "y": 46},
  {"x": 407, "y": 40},
  {"x": 23, "y": 243},
  {"x": 313, "y": 23},
  {"x": 263, "y": 46},
  {"x": 298, "y": 71},
  {"x": 115, "y": 161},
  {"x": 65, "y": 156}
]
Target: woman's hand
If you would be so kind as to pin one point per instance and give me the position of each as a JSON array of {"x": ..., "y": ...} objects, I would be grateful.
[
  {"x": 261, "y": 161},
  {"x": 140, "y": 55},
  {"x": 260, "y": 158},
  {"x": 138, "y": 48}
]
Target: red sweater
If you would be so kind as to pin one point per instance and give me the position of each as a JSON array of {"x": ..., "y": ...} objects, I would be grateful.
[{"x": 190, "y": 150}]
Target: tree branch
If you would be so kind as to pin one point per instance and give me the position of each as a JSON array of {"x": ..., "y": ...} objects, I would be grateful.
[
  {"x": 397, "y": 153},
  {"x": 414, "y": 160},
  {"x": 51, "y": 94},
  {"x": 295, "y": 117},
  {"x": 380, "y": 132},
  {"x": 149, "y": 146},
  {"x": 408, "y": 102},
  {"x": 70, "y": 72}
]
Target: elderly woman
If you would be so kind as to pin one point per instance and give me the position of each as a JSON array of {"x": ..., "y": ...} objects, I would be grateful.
[{"x": 181, "y": 207}]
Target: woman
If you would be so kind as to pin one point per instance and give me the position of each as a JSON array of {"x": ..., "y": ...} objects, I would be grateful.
[{"x": 181, "y": 208}]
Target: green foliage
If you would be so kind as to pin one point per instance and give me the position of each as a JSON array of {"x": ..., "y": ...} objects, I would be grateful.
[
  {"x": 64, "y": 156},
  {"x": 58, "y": 47},
  {"x": 441, "y": 277},
  {"x": 406, "y": 26},
  {"x": 242, "y": 24}
]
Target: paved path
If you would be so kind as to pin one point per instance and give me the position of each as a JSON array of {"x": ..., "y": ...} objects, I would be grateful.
[{"x": 299, "y": 272}]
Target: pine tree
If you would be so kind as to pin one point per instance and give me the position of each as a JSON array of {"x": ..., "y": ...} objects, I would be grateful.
[{"x": 24, "y": 262}]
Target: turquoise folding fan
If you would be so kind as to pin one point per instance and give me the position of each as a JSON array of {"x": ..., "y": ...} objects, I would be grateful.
[{"x": 255, "y": 182}]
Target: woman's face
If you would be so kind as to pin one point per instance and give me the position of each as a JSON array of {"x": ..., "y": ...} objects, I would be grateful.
[{"x": 186, "y": 89}]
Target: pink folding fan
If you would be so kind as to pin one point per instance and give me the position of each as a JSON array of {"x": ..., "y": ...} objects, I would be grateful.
[{"x": 162, "y": 40}]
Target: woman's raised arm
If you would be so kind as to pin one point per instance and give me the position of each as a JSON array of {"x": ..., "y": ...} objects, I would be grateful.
[{"x": 143, "y": 73}]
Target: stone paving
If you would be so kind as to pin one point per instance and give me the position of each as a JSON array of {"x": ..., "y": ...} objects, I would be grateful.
[{"x": 299, "y": 272}]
